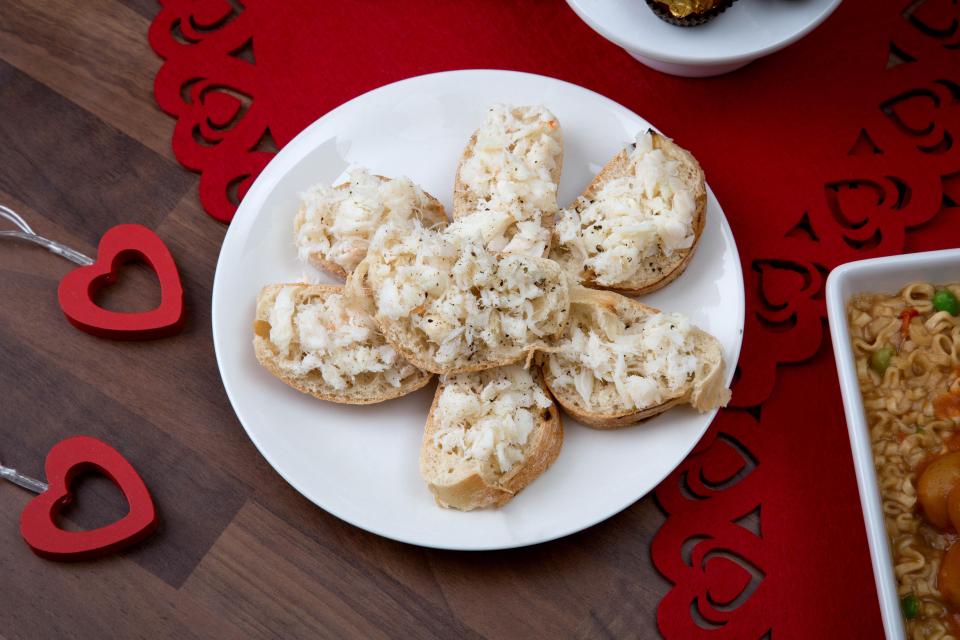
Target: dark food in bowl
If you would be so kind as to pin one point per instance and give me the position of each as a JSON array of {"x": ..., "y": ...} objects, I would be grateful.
[{"x": 688, "y": 13}]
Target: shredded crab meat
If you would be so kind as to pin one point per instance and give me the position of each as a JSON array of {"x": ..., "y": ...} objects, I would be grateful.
[
  {"x": 636, "y": 366},
  {"x": 336, "y": 223},
  {"x": 630, "y": 219},
  {"x": 333, "y": 338},
  {"x": 489, "y": 416},
  {"x": 504, "y": 229},
  {"x": 459, "y": 297},
  {"x": 510, "y": 174}
]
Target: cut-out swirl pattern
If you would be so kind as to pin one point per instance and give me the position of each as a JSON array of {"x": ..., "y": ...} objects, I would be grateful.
[
  {"x": 851, "y": 193},
  {"x": 211, "y": 89}
]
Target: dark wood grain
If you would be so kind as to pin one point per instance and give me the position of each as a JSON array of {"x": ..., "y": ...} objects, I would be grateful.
[
  {"x": 239, "y": 553},
  {"x": 74, "y": 165},
  {"x": 146, "y": 8},
  {"x": 92, "y": 52}
]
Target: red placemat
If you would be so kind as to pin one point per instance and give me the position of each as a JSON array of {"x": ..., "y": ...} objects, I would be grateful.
[{"x": 843, "y": 146}]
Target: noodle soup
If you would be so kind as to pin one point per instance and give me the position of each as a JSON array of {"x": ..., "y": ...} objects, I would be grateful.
[{"x": 907, "y": 354}]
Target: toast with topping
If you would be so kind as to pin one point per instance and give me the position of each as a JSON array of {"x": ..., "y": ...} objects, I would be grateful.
[
  {"x": 450, "y": 306},
  {"x": 319, "y": 341},
  {"x": 505, "y": 190},
  {"x": 636, "y": 226},
  {"x": 621, "y": 362},
  {"x": 488, "y": 435},
  {"x": 333, "y": 226}
]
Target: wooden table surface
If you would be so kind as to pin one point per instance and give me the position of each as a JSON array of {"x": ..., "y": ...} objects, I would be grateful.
[{"x": 239, "y": 552}]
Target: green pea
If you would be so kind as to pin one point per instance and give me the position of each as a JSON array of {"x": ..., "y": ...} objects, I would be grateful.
[
  {"x": 944, "y": 300},
  {"x": 911, "y": 606},
  {"x": 880, "y": 359}
]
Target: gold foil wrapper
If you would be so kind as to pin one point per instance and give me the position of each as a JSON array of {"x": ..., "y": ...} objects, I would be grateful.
[{"x": 684, "y": 8}]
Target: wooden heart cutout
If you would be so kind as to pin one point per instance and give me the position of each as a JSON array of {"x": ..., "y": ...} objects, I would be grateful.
[
  {"x": 66, "y": 460},
  {"x": 119, "y": 245}
]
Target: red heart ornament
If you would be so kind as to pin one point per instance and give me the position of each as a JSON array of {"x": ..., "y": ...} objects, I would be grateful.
[
  {"x": 119, "y": 245},
  {"x": 66, "y": 460}
]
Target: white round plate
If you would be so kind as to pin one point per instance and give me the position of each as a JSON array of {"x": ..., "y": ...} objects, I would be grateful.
[
  {"x": 361, "y": 463},
  {"x": 747, "y": 30}
]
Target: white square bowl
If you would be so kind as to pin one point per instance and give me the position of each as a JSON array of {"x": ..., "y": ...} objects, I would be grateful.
[{"x": 878, "y": 275}]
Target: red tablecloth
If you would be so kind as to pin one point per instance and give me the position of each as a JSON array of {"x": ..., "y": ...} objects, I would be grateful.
[{"x": 843, "y": 146}]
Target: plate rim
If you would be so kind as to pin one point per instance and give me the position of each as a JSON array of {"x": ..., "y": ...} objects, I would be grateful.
[
  {"x": 636, "y": 46},
  {"x": 265, "y": 181}
]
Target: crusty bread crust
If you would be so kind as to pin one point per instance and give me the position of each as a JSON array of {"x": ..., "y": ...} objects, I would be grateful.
[
  {"x": 372, "y": 391},
  {"x": 475, "y": 489},
  {"x": 432, "y": 215},
  {"x": 704, "y": 394},
  {"x": 665, "y": 269},
  {"x": 328, "y": 266},
  {"x": 464, "y": 200}
]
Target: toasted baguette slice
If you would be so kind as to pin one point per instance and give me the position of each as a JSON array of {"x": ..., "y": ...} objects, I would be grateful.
[
  {"x": 667, "y": 361},
  {"x": 320, "y": 342},
  {"x": 506, "y": 183},
  {"x": 449, "y": 306},
  {"x": 334, "y": 225},
  {"x": 636, "y": 226},
  {"x": 488, "y": 435}
]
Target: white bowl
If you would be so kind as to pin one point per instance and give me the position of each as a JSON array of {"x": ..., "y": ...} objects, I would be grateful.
[
  {"x": 879, "y": 275},
  {"x": 748, "y": 30}
]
